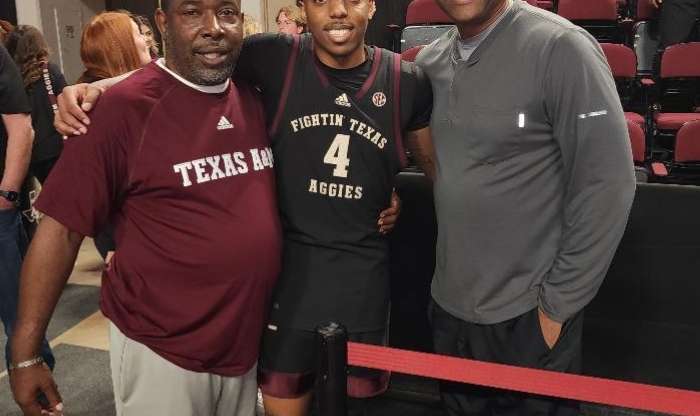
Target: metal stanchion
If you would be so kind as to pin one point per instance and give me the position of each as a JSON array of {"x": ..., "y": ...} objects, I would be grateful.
[{"x": 332, "y": 376}]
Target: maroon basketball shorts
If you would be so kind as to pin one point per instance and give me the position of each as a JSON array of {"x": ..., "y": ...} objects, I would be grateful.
[{"x": 288, "y": 359}]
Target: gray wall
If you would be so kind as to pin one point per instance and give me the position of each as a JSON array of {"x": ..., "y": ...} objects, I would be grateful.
[{"x": 62, "y": 22}]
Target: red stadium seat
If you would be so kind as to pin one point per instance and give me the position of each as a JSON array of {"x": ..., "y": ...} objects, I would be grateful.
[
  {"x": 623, "y": 64},
  {"x": 546, "y": 4},
  {"x": 425, "y": 22},
  {"x": 634, "y": 118},
  {"x": 685, "y": 165},
  {"x": 588, "y": 9},
  {"x": 688, "y": 143},
  {"x": 622, "y": 60},
  {"x": 681, "y": 61},
  {"x": 674, "y": 121},
  {"x": 599, "y": 17},
  {"x": 678, "y": 99},
  {"x": 639, "y": 152},
  {"x": 638, "y": 142},
  {"x": 421, "y": 12},
  {"x": 410, "y": 54},
  {"x": 679, "y": 95}
]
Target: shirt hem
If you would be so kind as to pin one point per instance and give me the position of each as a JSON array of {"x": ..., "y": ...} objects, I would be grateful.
[
  {"x": 502, "y": 315},
  {"x": 233, "y": 371}
]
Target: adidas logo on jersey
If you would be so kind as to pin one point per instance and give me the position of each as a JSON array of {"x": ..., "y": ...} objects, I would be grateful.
[
  {"x": 224, "y": 124},
  {"x": 343, "y": 100}
]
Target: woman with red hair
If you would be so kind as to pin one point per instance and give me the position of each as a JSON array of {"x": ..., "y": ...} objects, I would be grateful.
[{"x": 112, "y": 45}]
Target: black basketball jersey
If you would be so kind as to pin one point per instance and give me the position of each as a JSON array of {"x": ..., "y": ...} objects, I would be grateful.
[{"x": 337, "y": 153}]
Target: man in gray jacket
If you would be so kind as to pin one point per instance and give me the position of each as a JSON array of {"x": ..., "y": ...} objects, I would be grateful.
[{"x": 533, "y": 186}]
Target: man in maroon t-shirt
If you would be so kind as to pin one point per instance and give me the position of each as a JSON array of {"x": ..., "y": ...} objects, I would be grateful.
[{"x": 184, "y": 171}]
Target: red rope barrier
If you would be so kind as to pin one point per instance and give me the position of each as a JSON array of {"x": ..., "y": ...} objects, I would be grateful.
[{"x": 527, "y": 380}]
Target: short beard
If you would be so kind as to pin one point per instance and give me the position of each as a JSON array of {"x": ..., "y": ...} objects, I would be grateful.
[{"x": 189, "y": 69}]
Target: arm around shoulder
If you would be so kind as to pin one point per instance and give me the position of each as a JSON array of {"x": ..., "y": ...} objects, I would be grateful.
[
  {"x": 263, "y": 60},
  {"x": 75, "y": 101}
]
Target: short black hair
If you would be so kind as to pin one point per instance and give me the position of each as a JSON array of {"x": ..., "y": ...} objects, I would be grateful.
[{"x": 165, "y": 5}]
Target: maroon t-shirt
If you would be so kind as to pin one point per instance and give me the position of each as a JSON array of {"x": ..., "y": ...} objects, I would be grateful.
[{"x": 187, "y": 179}]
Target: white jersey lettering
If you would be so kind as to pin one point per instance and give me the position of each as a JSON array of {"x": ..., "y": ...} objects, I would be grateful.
[{"x": 227, "y": 165}]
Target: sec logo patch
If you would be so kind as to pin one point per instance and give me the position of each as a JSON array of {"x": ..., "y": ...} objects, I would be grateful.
[{"x": 379, "y": 99}]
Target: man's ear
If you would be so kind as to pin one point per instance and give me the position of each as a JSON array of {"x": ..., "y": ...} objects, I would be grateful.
[
  {"x": 372, "y": 9},
  {"x": 162, "y": 22}
]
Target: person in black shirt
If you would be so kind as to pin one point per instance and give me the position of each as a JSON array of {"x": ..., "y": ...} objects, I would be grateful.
[
  {"x": 31, "y": 54},
  {"x": 340, "y": 113},
  {"x": 15, "y": 150},
  {"x": 677, "y": 20},
  {"x": 42, "y": 81}
]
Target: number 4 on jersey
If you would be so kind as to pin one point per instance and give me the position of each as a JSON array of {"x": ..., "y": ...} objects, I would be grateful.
[{"x": 337, "y": 155}]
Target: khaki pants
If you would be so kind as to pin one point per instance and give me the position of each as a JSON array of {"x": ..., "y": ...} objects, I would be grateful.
[{"x": 146, "y": 384}]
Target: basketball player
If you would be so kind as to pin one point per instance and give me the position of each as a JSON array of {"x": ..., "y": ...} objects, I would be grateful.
[{"x": 338, "y": 113}]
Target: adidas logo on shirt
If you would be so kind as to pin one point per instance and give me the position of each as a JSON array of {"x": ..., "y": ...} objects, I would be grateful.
[
  {"x": 224, "y": 124},
  {"x": 343, "y": 100}
]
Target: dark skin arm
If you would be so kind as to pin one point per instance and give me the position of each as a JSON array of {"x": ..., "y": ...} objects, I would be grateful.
[
  {"x": 420, "y": 143},
  {"x": 46, "y": 269}
]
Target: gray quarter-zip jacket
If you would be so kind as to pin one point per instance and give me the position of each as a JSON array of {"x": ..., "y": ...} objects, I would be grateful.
[{"x": 534, "y": 178}]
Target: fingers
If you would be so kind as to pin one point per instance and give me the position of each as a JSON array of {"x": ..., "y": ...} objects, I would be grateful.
[
  {"x": 396, "y": 201},
  {"x": 656, "y": 3},
  {"x": 388, "y": 217},
  {"x": 53, "y": 411},
  {"x": 71, "y": 119},
  {"x": 50, "y": 390},
  {"x": 64, "y": 128},
  {"x": 387, "y": 220},
  {"x": 392, "y": 211},
  {"x": 551, "y": 329},
  {"x": 92, "y": 95},
  {"x": 34, "y": 388},
  {"x": 386, "y": 224}
]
